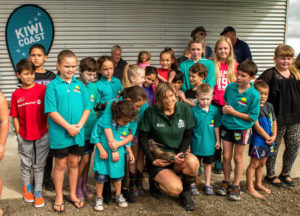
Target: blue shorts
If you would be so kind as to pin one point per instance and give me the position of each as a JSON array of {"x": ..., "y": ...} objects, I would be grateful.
[
  {"x": 99, "y": 178},
  {"x": 260, "y": 152},
  {"x": 88, "y": 147}
]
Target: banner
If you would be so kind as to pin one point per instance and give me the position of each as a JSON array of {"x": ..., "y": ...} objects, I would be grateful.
[{"x": 28, "y": 25}]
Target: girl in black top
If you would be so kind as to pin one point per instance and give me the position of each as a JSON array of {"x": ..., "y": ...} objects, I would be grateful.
[{"x": 284, "y": 82}]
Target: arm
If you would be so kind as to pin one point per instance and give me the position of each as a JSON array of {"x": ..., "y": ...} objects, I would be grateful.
[
  {"x": 58, "y": 119},
  {"x": 16, "y": 124},
  {"x": 227, "y": 109},
  {"x": 186, "y": 140},
  {"x": 161, "y": 78},
  {"x": 130, "y": 154},
  {"x": 260, "y": 131},
  {"x": 171, "y": 76},
  {"x": 183, "y": 98},
  {"x": 4, "y": 125},
  {"x": 83, "y": 118},
  {"x": 274, "y": 134},
  {"x": 217, "y": 134},
  {"x": 102, "y": 151}
]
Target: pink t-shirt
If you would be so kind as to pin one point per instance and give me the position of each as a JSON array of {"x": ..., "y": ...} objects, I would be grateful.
[
  {"x": 163, "y": 73},
  {"x": 144, "y": 65},
  {"x": 221, "y": 84},
  {"x": 28, "y": 106}
]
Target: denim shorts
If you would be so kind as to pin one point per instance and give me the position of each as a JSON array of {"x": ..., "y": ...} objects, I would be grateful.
[{"x": 100, "y": 178}]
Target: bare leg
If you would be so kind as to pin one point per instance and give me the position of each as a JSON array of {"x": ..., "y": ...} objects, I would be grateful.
[
  {"x": 207, "y": 173},
  {"x": 99, "y": 189},
  {"x": 239, "y": 163},
  {"x": 118, "y": 185},
  {"x": 58, "y": 177},
  {"x": 258, "y": 177},
  {"x": 227, "y": 156},
  {"x": 254, "y": 163}
]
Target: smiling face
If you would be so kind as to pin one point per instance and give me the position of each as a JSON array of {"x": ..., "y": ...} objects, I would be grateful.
[
  {"x": 166, "y": 61},
  {"x": 107, "y": 70},
  {"x": 116, "y": 55},
  {"x": 223, "y": 51},
  {"x": 149, "y": 80},
  {"x": 169, "y": 100},
  {"x": 195, "y": 79},
  {"x": 37, "y": 57},
  {"x": 196, "y": 50},
  {"x": 67, "y": 68},
  {"x": 283, "y": 63}
]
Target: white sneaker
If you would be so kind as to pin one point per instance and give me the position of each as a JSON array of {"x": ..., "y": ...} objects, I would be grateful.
[
  {"x": 99, "y": 204},
  {"x": 121, "y": 201}
]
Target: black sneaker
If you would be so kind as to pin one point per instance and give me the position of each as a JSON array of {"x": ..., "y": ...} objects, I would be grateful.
[
  {"x": 187, "y": 201},
  {"x": 223, "y": 190},
  {"x": 234, "y": 193},
  {"x": 128, "y": 196}
]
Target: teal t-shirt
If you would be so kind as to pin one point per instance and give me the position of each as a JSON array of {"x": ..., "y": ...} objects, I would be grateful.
[
  {"x": 107, "y": 90},
  {"x": 185, "y": 67},
  {"x": 108, "y": 167},
  {"x": 204, "y": 138},
  {"x": 91, "y": 121},
  {"x": 106, "y": 119},
  {"x": 168, "y": 130},
  {"x": 69, "y": 100},
  {"x": 247, "y": 102},
  {"x": 141, "y": 113}
]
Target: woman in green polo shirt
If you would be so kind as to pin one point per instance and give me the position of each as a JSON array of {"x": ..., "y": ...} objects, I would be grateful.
[{"x": 170, "y": 123}]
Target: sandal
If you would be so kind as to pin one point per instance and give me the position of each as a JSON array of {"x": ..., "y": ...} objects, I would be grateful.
[
  {"x": 60, "y": 210},
  {"x": 78, "y": 206},
  {"x": 208, "y": 190},
  {"x": 271, "y": 181},
  {"x": 284, "y": 179}
]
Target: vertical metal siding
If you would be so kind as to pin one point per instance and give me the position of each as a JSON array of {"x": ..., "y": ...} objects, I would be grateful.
[{"x": 91, "y": 28}]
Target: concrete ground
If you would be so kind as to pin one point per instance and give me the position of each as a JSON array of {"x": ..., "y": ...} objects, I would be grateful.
[{"x": 12, "y": 185}]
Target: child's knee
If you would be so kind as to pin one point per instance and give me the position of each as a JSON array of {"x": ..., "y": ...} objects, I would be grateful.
[{"x": 238, "y": 159}]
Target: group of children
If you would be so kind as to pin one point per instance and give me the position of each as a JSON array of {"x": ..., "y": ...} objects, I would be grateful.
[{"x": 82, "y": 114}]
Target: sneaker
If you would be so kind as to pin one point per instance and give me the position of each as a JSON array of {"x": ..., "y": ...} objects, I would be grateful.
[
  {"x": 27, "y": 193},
  {"x": 234, "y": 193},
  {"x": 218, "y": 169},
  {"x": 38, "y": 199},
  {"x": 187, "y": 201},
  {"x": 121, "y": 201},
  {"x": 208, "y": 190},
  {"x": 223, "y": 189},
  {"x": 99, "y": 204},
  {"x": 194, "y": 190}
]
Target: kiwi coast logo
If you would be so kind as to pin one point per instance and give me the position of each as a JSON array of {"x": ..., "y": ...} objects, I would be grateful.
[
  {"x": 77, "y": 89},
  {"x": 28, "y": 25},
  {"x": 243, "y": 101}
]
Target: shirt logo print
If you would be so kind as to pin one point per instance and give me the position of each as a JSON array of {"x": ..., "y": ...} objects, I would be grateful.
[
  {"x": 92, "y": 98},
  {"x": 180, "y": 123},
  {"x": 243, "y": 101},
  {"x": 212, "y": 123},
  {"x": 77, "y": 89},
  {"x": 159, "y": 125},
  {"x": 123, "y": 135}
]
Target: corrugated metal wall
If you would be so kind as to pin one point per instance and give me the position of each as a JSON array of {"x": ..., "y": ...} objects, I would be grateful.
[{"x": 91, "y": 28}]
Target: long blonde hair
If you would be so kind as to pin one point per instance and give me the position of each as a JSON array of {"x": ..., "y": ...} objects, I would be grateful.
[
  {"x": 230, "y": 61},
  {"x": 129, "y": 72},
  {"x": 287, "y": 51}
]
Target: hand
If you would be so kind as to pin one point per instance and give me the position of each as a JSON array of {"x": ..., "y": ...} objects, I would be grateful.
[
  {"x": 270, "y": 140},
  {"x": 156, "y": 82},
  {"x": 112, "y": 144},
  {"x": 181, "y": 95},
  {"x": 131, "y": 158},
  {"x": 103, "y": 154},
  {"x": 115, "y": 156},
  {"x": 161, "y": 163},
  {"x": 179, "y": 158},
  {"x": 79, "y": 126},
  {"x": 217, "y": 145},
  {"x": 73, "y": 130},
  {"x": 2, "y": 151},
  {"x": 227, "y": 109}
]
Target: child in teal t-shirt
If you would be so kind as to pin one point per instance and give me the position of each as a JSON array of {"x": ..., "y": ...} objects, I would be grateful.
[
  {"x": 241, "y": 110},
  {"x": 68, "y": 105},
  {"x": 87, "y": 74},
  {"x": 206, "y": 136},
  {"x": 110, "y": 161},
  {"x": 108, "y": 86}
]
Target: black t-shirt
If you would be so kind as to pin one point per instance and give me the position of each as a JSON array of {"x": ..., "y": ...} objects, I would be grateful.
[
  {"x": 42, "y": 78},
  {"x": 191, "y": 95},
  {"x": 284, "y": 95}
]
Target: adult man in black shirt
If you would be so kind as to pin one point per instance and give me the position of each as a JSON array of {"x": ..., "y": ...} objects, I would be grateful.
[{"x": 119, "y": 63}]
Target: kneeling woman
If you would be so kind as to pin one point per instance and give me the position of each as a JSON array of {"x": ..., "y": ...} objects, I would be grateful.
[{"x": 170, "y": 124}]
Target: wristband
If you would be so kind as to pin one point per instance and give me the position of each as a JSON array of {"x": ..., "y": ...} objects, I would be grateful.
[{"x": 114, "y": 150}]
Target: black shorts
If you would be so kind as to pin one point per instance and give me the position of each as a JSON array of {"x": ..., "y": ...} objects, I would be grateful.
[
  {"x": 64, "y": 152},
  {"x": 88, "y": 147},
  {"x": 154, "y": 170},
  {"x": 207, "y": 159},
  {"x": 236, "y": 136}
]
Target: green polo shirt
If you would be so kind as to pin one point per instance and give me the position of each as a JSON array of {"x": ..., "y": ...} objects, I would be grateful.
[
  {"x": 69, "y": 100},
  {"x": 247, "y": 102},
  {"x": 91, "y": 121},
  {"x": 185, "y": 67},
  {"x": 204, "y": 138},
  {"x": 168, "y": 130}
]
